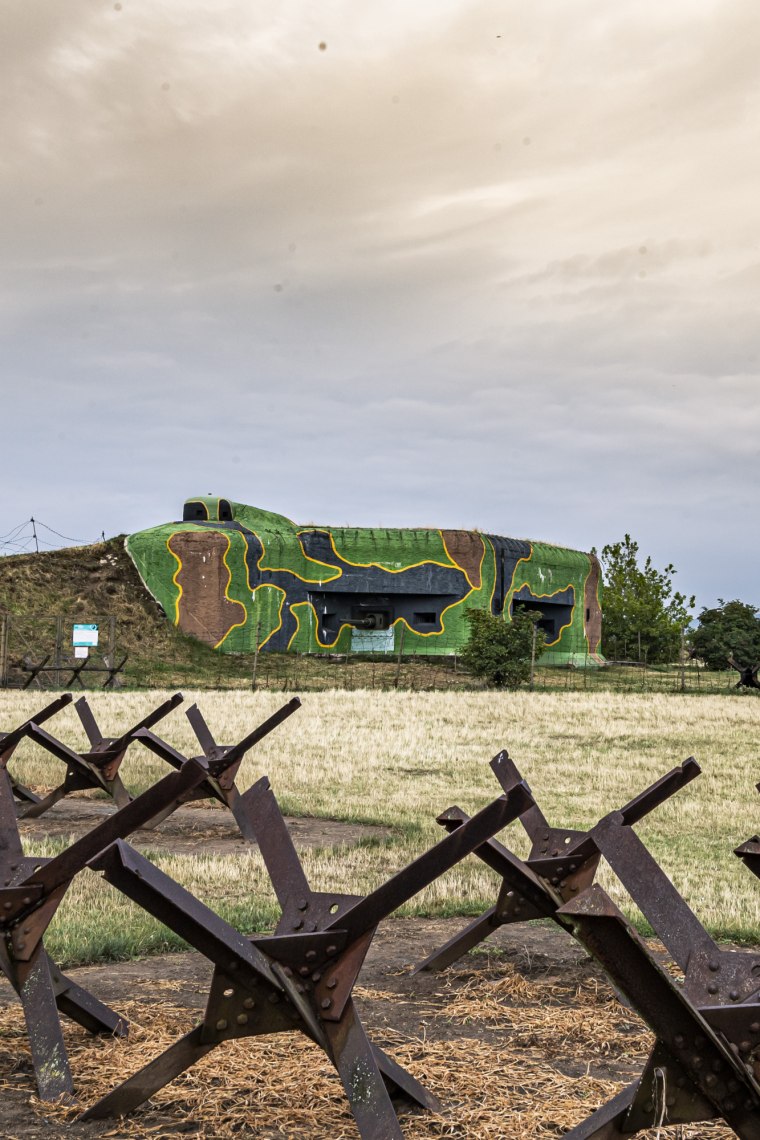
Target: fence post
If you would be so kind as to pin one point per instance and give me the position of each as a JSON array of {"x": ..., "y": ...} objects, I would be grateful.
[
  {"x": 5, "y": 629},
  {"x": 255, "y": 655},
  {"x": 400, "y": 651},
  {"x": 533, "y": 658},
  {"x": 58, "y": 645}
]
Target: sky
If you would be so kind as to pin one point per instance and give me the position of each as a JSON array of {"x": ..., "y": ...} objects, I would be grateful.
[{"x": 452, "y": 264}]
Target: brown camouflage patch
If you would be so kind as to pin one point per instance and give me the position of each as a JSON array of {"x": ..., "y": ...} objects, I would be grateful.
[
  {"x": 466, "y": 549},
  {"x": 204, "y": 610},
  {"x": 593, "y": 612}
]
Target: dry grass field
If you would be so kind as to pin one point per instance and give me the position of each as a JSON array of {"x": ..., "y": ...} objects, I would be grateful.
[{"x": 400, "y": 758}]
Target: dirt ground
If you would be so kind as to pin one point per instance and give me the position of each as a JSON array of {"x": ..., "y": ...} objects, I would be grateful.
[
  {"x": 189, "y": 827},
  {"x": 395, "y": 1005}
]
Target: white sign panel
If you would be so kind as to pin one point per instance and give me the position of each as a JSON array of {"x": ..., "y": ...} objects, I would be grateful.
[
  {"x": 372, "y": 640},
  {"x": 81, "y": 651},
  {"x": 85, "y": 635}
]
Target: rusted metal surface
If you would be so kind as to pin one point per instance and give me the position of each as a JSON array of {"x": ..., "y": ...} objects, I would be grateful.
[
  {"x": 300, "y": 978},
  {"x": 703, "y": 1065},
  {"x": 221, "y": 760},
  {"x": 561, "y": 862},
  {"x": 31, "y": 889},
  {"x": 706, "y": 1060},
  {"x": 97, "y": 768},
  {"x": 30, "y": 892},
  {"x": 9, "y": 742}
]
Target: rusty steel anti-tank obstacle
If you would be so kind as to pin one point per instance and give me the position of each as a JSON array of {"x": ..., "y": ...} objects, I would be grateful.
[
  {"x": 32, "y": 888},
  {"x": 98, "y": 768},
  {"x": 562, "y": 862},
  {"x": 705, "y": 1064},
  {"x": 300, "y": 978},
  {"x": 9, "y": 742}
]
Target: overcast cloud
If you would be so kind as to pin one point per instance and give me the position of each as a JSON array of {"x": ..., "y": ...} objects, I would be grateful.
[{"x": 453, "y": 264}]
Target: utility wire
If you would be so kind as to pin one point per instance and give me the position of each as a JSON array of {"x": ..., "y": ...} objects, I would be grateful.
[{"x": 24, "y": 538}]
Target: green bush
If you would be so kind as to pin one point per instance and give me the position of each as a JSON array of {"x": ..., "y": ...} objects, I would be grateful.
[{"x": 500, "y": 651}]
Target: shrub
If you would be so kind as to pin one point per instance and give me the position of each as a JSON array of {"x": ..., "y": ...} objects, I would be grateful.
[{"x": 500, "y": 651}]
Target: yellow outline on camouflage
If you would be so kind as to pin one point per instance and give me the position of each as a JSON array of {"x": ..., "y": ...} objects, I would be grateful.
[
  {"x": 286, "y": 570},
  {"x": 460, "y": 567},
  {"x": 270, "y": 586},
  {"x": 233, "y": 601},
  {"x": 402, "y": 569}
]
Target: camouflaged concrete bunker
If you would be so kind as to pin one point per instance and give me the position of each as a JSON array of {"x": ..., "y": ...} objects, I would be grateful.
[{"x": 234, "y": 576}]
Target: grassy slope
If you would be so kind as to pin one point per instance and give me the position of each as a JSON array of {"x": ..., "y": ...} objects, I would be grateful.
[{"x": 87, "y": 581}]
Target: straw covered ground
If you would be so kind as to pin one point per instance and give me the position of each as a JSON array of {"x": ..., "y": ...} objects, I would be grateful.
[{"x": 519, "y": 1042}]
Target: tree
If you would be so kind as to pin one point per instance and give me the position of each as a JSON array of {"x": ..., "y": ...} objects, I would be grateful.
[
  {"x": 500, "y": 651},
  {"x": 642, "y": 613},
  {"x": 730, "y": 634}
]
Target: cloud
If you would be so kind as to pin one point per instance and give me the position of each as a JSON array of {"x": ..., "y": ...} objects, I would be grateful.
[{"x": 468, "y": 264}]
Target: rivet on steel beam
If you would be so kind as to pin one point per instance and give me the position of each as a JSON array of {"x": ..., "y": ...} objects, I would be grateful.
[
  {"x": 221, "y": 1024},
  {"x": 714, "y": 966},
  {"x": 316, "y": 976},
  {"x": 755, "y": 1027},
  {"x": 248, "y": 1003},
  {"x": 331, "y": 983},
  {"x": 697, "y": 1062},
  {"x": 332, "y": 950},
  {"x": 679, "y": 1040},
  {"x": 302, "y": 904},
  {"x": 745, "y": 1046},
  {"x": 242, "y": 1019},
  {"x": 304, "y": 971},
  {"x": 711, "y": 1080},
  {"x": 310, "y": 955},
  {"x": 26, "y": 900},
  {"x": 712, "y": 988},
  {"x": 326, "y": 1003},
  {"x": 734, "y": 995}
]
